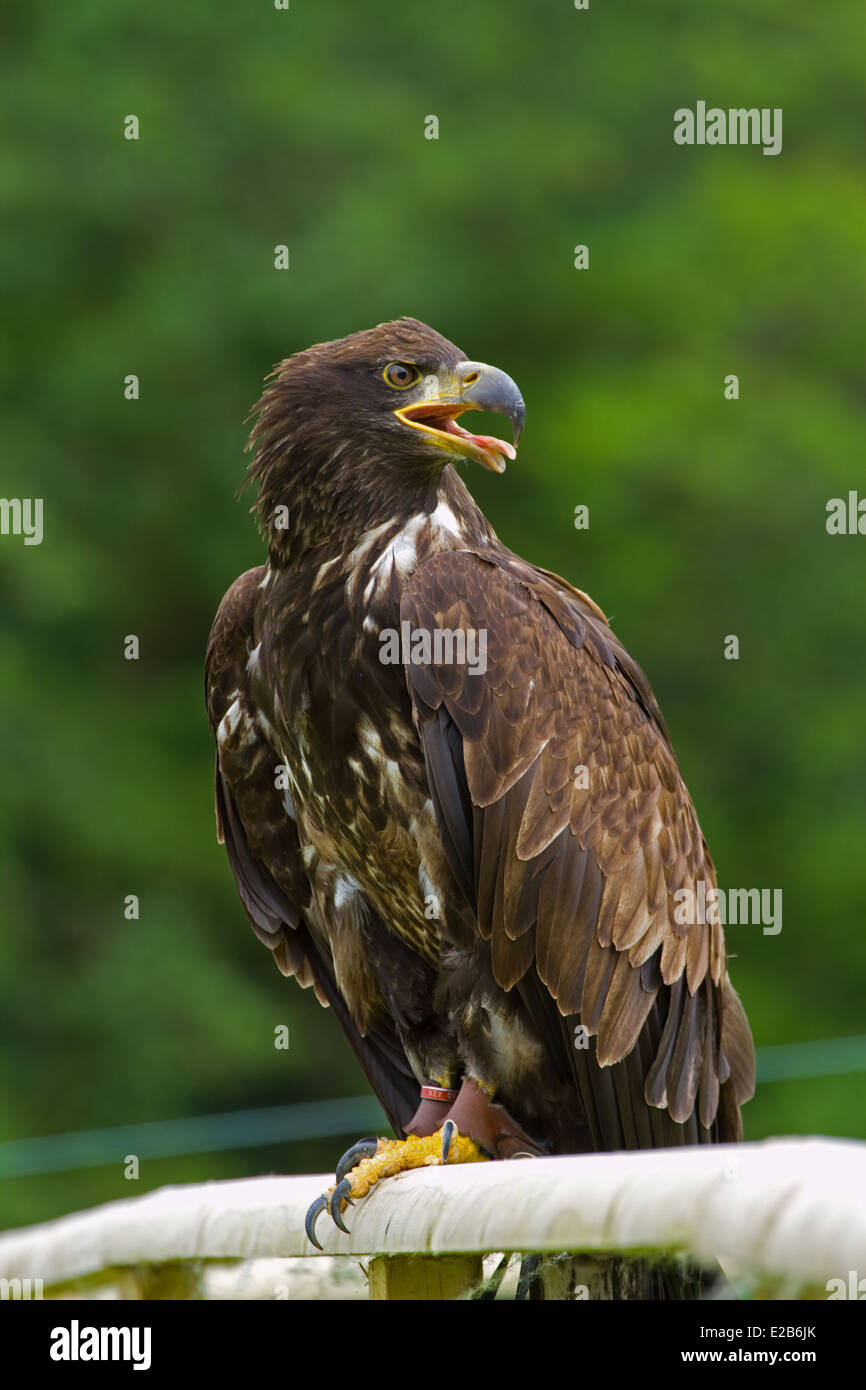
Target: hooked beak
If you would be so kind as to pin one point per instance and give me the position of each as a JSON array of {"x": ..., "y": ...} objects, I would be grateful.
[{"x": 471, "y": 386}]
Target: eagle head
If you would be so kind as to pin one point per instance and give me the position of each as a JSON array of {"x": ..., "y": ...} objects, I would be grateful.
[{"x": 376, "y": 410}]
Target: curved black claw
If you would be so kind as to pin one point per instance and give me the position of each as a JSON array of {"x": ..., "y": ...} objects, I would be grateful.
[
  {"x": 340, "y": 1195},
  {"x": 314, "y": 1211},
  {"x": 449, "y": 1129},
  {"x": 365, "y": 1148}
]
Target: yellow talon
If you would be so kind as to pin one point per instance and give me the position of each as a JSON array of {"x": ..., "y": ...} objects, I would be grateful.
[
  {"x": 392, "y": 1156},
  {"x": 401, "y": 1155}
]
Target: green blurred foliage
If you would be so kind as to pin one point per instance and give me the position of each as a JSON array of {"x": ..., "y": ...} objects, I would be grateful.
[{"x": 707, "y": 516}]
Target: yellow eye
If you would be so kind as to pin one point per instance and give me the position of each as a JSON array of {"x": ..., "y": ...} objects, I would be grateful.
[{"x": 401, "y": 374}]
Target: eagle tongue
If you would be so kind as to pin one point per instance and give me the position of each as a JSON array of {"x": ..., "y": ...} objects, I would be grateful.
[{"x": 489, "y": 443}]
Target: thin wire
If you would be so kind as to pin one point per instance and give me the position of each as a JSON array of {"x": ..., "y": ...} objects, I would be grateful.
[
  {"x": 325, "y": 1119},
  {"x": 239, "y": 1129}
]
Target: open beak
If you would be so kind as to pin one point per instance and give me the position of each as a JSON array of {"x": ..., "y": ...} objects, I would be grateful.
[{"x": 471, "y": 386}]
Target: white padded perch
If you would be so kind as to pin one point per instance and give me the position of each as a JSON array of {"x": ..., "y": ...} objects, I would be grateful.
[{"x": 790, "y": 1209}]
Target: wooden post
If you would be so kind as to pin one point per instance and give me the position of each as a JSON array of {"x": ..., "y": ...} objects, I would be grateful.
[
  {"x": 171, "y": 1279},
  {"x": 424, "y": 1277}
]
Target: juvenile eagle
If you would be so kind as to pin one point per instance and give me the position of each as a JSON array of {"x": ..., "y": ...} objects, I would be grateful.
[{"x": 447, "y": 793}]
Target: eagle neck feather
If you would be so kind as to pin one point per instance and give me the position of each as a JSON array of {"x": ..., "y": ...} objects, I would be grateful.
[{"x": 309, "y": 517}]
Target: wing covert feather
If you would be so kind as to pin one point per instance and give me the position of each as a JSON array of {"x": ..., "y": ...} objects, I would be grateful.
[
  {"x": 264, "y": 850},
  {"x": 567, "y": 822}
]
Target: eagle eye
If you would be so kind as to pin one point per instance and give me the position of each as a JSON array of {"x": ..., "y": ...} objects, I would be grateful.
[{"x": 401, "y": 374}]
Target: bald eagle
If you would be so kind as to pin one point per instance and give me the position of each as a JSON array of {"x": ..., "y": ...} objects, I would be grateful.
[{"x": 448, "y": 795}]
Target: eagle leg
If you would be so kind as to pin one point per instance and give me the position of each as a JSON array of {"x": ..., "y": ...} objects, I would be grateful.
[
  {"x": 496, "y": 1132},
  {"x": 392, "y": 1156}
]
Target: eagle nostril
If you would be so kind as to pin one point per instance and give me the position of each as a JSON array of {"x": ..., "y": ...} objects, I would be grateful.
[{"x": 470, "y": 378}]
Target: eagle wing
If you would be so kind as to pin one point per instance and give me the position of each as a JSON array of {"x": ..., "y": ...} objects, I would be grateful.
[
  {"x": 566, "y": 821},
  {"x": 254, "y": 822}
]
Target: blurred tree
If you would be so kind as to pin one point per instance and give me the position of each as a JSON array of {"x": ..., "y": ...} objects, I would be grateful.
[{"x": 155, "y": 257}]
